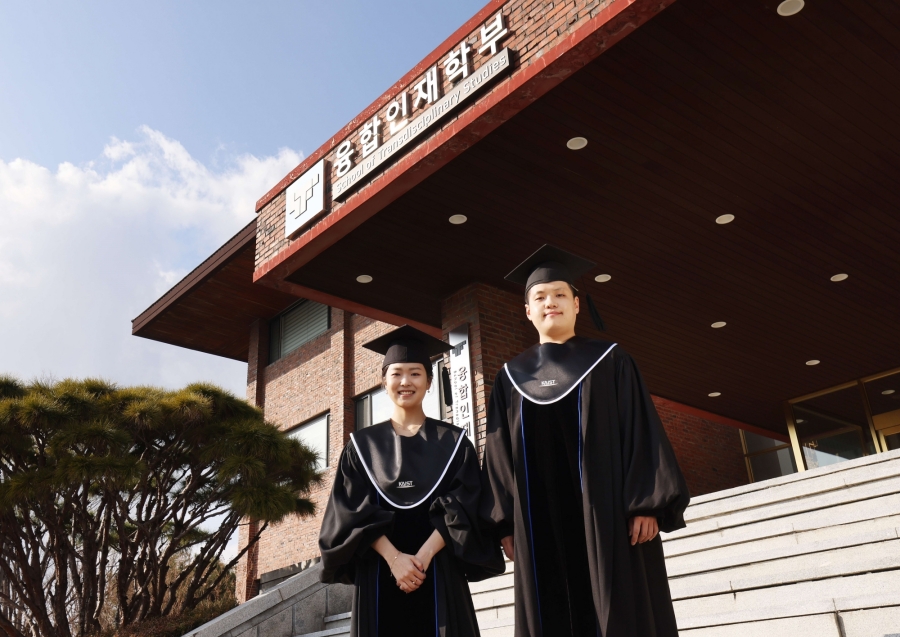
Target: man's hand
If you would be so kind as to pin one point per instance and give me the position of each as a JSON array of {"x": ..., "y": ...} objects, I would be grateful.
[
  {"x": 509, "y": 547},
  {"x": 642, "y": 529}
]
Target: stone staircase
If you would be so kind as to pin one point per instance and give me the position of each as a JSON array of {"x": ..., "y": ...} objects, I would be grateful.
[
  {"x": 493, "y": 600},
  {"x": 812, "y": 554},
  {"x": 815, "y": 554},
  {"x": 334, "y": 625}
]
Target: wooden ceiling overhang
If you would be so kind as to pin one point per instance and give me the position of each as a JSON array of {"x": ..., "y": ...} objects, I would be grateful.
[
  {"x": 213, "y": 308},
  {"x": 713, "y": 107}
]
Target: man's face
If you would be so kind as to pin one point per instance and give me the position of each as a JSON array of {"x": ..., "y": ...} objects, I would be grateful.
[{"x": 552, "y": 309}]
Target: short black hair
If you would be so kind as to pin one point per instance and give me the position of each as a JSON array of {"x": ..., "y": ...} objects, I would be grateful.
[{"x": 528, "y": 292}]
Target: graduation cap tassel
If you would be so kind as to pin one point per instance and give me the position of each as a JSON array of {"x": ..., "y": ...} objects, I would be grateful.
[
  {"x": 448, "y": 388},
  {"x": 595, "y": 315}
]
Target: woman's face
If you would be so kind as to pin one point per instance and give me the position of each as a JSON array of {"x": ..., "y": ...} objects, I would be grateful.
[{"x": 406, "y": 384}]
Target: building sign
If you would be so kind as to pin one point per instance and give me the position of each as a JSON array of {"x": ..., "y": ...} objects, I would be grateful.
[
  {"x": 305, "y": 199},
  {"x": 461, "y": 380},
  {"x": 380, "y": 141}
]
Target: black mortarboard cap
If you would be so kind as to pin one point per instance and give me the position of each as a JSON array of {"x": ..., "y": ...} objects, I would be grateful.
[
  {"x": 550, "y": 263},
  {"x": 407, "y": 345}
]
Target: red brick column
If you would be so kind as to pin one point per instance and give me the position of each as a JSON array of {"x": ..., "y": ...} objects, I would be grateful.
[
  {"x": 247, "y": 570},
  {"x": 256, "y": 362},
  {"x": 498, "y": 331}
]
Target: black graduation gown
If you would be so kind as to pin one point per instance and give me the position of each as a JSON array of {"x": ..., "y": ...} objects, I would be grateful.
[
  {"x": 405, "y": 488},
  {"x": 591, "y": 434}
]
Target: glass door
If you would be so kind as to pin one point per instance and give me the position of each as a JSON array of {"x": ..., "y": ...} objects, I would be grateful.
[
  {"x": 883, "y": 395},
  {"x": 832, "y": 427}
]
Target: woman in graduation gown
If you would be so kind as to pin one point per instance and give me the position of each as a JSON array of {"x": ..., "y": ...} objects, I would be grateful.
[{"x": 402, "y": 520}]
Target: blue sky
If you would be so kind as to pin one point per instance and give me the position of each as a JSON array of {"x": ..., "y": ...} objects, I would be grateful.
[
  {"x": 135, "y": 139},
  {"x": 222, "y": 78}
]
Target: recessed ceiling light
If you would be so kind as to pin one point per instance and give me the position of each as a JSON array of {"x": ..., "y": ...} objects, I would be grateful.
[
  {"x": 719, "y": 324},
  {"x": 723, "y": 219},
  {"x": 812, "y": 362},
  {"x": 888, "y": 392},
  {"x": 576, "y": 143},
  {"x": 840, "y": 277},
  {"x": 458, "y": 219},
  {"x": 790, "y": 7},
  {"x": 602, "y": 278},
  {"x": 715, "y": 394},
  {"x": 364, "y": 278}
]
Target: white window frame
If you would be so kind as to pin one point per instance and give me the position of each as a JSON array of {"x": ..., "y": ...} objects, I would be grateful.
[{"x": 295, "y": 432}]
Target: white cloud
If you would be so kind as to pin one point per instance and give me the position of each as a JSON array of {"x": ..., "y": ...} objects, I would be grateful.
[{"x": 85, "y": 249}]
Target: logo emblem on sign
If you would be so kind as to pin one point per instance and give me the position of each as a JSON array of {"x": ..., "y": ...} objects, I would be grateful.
[
  {"x": 547, "y": 383},
  {"x": 305, "y": 199},
  {"x": 405, "y": 485}
]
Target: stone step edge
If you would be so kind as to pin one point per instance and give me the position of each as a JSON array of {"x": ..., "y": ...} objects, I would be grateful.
[
  {"x": 804, "y": 609},
  {"x": 495, "y": 585},
  {"x": 751, "y": 584},
  {"x": 861, "y": 477},
  {"x": 781, "y": 510},
  {"x": 877, "y": 537},
  {"x": 774, "y": 532},
  {"x": 774, "y": 483},
  {"x": 337, "y": 618},
  {"x": 772, "y": 555},
  {"x": 493, "y": 604},
  {"x": 496, "y": 623},
  {"x": 328, "y": 632}
]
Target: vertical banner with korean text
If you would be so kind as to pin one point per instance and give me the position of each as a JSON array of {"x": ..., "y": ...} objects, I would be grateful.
[{"x": 461, "y": 380}]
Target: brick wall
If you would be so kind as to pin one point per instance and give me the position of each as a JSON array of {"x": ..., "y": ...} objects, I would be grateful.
[
  {"x": 322, "y": 376},
  {"x": 246, "y": 572},
  {"x": 367, "y": 367},
  {"x": 305, "y": 384},
  {"x": 498, "y": 330},
  {"x": 709, "y": 453}
]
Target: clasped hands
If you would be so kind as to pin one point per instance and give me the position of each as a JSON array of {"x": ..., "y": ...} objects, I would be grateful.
[
  {"x": 409, "y": 570},
  {"x": 641, "y": 528}
]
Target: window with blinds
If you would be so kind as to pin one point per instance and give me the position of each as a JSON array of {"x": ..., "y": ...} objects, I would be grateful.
[{"x": 298, "y": 325}]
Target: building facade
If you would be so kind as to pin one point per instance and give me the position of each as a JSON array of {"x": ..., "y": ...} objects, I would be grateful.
[{"x": 730, "y": 171}]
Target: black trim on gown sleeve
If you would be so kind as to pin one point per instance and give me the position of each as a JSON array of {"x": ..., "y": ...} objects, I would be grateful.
[
  {"x": 455, "y": 516},
  {"x": 498, "y": 477},
  {"x": 353, "y": 520},
  {"x": 654, "y": 485}
]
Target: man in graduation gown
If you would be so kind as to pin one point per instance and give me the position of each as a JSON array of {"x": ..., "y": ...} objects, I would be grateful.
[{"x": 578, "y": 474}]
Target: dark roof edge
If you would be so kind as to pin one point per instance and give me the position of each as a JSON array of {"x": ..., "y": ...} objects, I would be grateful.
[{"x": 198, "y": 275}]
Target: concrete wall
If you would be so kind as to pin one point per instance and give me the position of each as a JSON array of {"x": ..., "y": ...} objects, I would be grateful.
[{"x": 299, "y": 606}]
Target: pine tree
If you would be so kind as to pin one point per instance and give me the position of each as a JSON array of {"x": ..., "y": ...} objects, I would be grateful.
[{"x": 103, "y": 489}]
